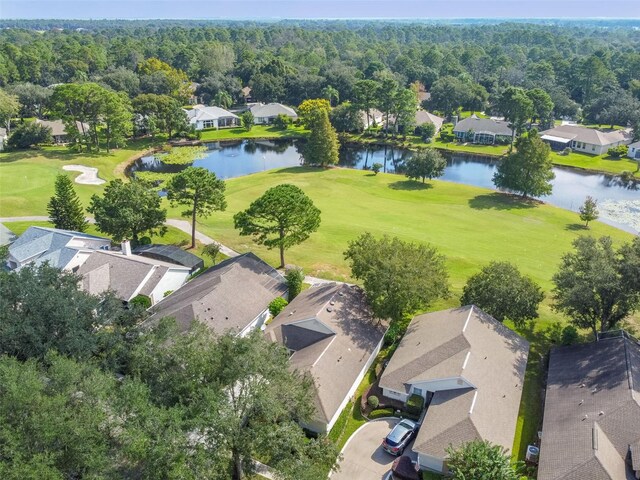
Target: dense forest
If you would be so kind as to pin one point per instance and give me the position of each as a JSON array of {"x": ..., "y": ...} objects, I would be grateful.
[{"x": 583, "y": 68}]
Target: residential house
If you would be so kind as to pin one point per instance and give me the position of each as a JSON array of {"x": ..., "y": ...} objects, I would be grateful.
[
  {"x": 470, "y": 369},
  {"x": 233, "y": 295},
  {"x": 373, "y": 118},
  {"x": 171, "y": 254},
  {"x": 130, "y": 275},
  {"x": 202, "y": 117},
  {"x": 59, "y": 130},
  {"x": 3, "y": 138},
  {"x": 584, "y": 139},
  {"x": 422, "y": 117},
  {"x": 483, "y": 131},
  {"x": 333, "y": 338},
  {"x": 63, "y": 249},
  {"x": 634, "y": 151},
  {"x": 591, "y": 426},
  {"x": 265, "y": 114}
]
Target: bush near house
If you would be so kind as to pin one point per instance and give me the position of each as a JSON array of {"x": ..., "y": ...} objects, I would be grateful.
[
  {"x": 142, "y": 301},
  {"x": 277, "y": 305},
  {"x": 618, "y": 152},
  {"x": 415, "y": 404}
]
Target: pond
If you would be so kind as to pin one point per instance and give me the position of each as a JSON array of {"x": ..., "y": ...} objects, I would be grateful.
[{"x": 570, "y": 187}]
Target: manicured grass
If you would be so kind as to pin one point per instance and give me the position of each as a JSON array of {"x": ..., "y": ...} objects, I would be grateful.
[
  {"x": 257, "y": 131},
  {"x": 27, "y": 176},
  {"x": 602, "y": 163}
]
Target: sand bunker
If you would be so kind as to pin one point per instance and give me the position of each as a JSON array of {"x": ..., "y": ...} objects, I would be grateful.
[{"x": 88, "y": 175}]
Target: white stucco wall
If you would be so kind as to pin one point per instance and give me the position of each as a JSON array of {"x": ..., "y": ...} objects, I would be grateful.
[
  {"x": 78, "y": 260},
  {"x": 395, "y": 395},
  {"x": 173, "y": 279},
  {"x": 427, "y": 462},
  {"x": 91, "y": 244},
  {"x": 255, "y": 323},
  {"x": 441, "y": 384}
]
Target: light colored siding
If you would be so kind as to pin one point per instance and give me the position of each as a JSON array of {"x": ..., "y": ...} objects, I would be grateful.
[
  {"x": 172, "y": 280},
  {"x": 427, "y": 462},
  {"x": 395, "y": 395}
]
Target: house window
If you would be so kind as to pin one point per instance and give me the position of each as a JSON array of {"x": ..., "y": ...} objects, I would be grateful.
[
  {"x": 208, "y": 123},
  {"x": 593, "y": 148},
  {"x": 417, "y": 391}
]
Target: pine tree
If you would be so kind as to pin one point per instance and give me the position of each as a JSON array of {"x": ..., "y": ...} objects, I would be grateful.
[
  {"x": 322, "y": 146},
  {"x": 65, "y": 209},
  {"x": 589, "y": 211}
]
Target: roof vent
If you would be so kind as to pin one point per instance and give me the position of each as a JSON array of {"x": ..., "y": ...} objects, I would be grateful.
[
  {"x": 332, "y": 302},
  {"x": 581, "y": 402},
  {"x": 594, "y": 390},
  {"x": 585, "y": 417},
  {"x": 601, "y": 413},
  {"x": 329, "y": 309}
]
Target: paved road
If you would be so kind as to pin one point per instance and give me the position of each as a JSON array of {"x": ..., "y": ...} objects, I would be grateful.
[{"x": 363, "y": 458}]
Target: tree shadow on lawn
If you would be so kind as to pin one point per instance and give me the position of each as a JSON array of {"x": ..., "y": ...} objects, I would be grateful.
[
  {"x": 501, "y": 201},
  {"x": 300, "y": 169},
  {"x": 409, "y": 185},
  {"x": 575, "y": 227}
]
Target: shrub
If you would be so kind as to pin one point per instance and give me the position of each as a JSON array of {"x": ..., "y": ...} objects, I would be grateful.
[
  {"x": 144, "y": 240},
  {"x": 373, "y": 401},
  {"x": 246, "y": 119},
  {"x": 626, "y": 176},
  {"x": 618, "y": 152},
  {"x": 376, "y": 167},
  {"x": 294, "y": 277},
  {"x": 277, "y": 305},
  {"x": 426, "y": 131},
  {"x": 141, "y": 301},
  {"x": 167, "y": 293},
  {"x": 212, "y": 251},
  {"x": 282, "y": 121},
  {"x": 447, "y": 136},
  {"x": 567, "y": 151},
  {"x": 569, "y": 335},
  {"x": 415, "y": 404}
]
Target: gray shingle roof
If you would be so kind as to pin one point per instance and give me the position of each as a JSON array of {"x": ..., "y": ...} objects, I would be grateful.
[
  {"x": 36, "y": 242},
  {"x": 228, "y": 296},
  {"x": 57, "y": 126},
  {"x": 200, "y": 112},
  {"x": 171, "y": 254},
  {"x": 592, "y": 411},
  {"x": 269, "y": 110},
  {"x": 483, "y": 125},
  {"x": 332, "y": 334},
  {"x": 6, "y": 235},
  {"x": 422, "y": 117},
  {"x": 462, "y": 343}
]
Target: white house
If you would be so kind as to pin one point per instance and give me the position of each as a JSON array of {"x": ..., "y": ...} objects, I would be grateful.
[
  {"x": 202, "y": 117},
  {"x": 469, "y": 369},
  {"x": 333, "y": 338},
  {"x": 130, "y": 275},
  {"x": 62, "y": 249},
  {"x": 234, "y": 295},
  {"x": 634, "y": 151},
  {"x": 264, "y": 114},
  {"x": 584, "y": 139}
]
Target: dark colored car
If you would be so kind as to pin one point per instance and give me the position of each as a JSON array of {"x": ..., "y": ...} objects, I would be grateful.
[
  {"x": 403, "y": 468},
  {"x": 399, "y": 437}
]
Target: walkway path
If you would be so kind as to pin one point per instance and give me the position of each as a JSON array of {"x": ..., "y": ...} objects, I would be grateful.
[{"x": 88, "y": 175}]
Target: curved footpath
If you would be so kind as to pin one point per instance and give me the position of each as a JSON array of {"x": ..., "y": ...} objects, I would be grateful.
[{"x": 182, "y": 225}]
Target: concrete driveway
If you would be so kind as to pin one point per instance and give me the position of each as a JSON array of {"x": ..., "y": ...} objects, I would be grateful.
[{"x": 363, "y": 457}]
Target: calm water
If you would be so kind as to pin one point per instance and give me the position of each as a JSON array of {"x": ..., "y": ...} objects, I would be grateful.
[{"x": 236, "y": 159}]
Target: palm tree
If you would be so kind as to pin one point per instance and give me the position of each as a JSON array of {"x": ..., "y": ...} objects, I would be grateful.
[{"x": 222, "y": 99}]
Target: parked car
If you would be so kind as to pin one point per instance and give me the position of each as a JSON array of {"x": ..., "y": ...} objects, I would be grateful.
[
  {"x": 403, "y": 468},
  {"x": 399, "y": 437}
]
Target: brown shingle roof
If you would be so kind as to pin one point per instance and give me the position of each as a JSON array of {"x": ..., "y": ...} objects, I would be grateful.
[
  {"x": 592, "y": 411},
  {"x": 462, "y": 343},
  {"x": 332, "y": 334},
  {"x": 228, "y": 296}
]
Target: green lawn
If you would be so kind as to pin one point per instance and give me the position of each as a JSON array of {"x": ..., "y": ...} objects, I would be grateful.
[
  {"x": 257, "y": 131},
  {"x": 602, "y": 163},
  {"x": 27, "y": 176}
]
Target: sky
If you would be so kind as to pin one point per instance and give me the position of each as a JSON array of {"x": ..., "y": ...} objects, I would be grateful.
[{"x": 295, "y": 9}]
